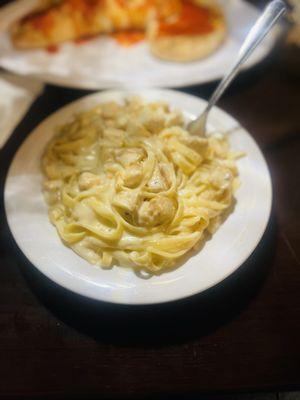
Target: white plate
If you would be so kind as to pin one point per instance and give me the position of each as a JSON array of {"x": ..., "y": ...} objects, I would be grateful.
[
  {"x": 230, "y": 246},
  {"x": 102, "y": 63}
]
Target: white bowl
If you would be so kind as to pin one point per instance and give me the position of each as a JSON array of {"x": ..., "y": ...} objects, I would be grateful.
[{"x": 229, "y": 247}]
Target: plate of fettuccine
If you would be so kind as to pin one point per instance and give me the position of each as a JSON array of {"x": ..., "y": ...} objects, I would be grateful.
[{"x": 111, "y": 197}]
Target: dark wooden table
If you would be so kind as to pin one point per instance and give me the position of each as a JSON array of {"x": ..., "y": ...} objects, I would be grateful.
[{"x": 241, "y": 336}]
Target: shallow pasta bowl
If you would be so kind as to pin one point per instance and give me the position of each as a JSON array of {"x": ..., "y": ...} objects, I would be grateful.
[{"x": 223, "y": 254}]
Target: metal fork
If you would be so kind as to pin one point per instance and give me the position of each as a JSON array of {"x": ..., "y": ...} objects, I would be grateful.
[{"x": 260, "y": 29}]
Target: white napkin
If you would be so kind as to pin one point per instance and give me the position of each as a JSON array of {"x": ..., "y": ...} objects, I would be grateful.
[{"x": 16, "y": 96}]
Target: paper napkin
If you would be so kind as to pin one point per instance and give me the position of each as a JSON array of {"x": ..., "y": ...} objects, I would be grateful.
[{"x": 16, "y": 96}]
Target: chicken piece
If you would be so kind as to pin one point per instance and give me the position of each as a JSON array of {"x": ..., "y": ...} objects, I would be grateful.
[
  {"x": 165, "y": 171},
  {"x": 127, "y": 200},
  {"x": 130, "y": 156},
  {"x": 152, "y": 120},
  {"x": 155, "y": 212},
  {"x": 221, "y": 178},
  {"x": 157, "y": 182},
  {"x": 87, "y": 180},
  {"x": 133, "y": 175}
]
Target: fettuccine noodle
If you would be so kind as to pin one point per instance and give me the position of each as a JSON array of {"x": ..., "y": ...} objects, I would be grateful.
[{"x": 126, "y": 184}]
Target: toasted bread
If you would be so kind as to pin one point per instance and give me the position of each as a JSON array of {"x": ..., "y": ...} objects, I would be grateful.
[{"x": 182, "y": 40}]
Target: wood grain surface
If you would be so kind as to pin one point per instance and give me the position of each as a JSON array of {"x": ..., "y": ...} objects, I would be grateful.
[{"x": 243, "y": 335}]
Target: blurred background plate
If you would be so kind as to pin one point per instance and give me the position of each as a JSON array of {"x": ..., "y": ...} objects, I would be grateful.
[{"x": 102, "y": 63}]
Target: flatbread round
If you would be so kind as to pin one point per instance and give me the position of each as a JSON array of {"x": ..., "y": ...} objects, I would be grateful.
[{"x": 189, "y": 47}]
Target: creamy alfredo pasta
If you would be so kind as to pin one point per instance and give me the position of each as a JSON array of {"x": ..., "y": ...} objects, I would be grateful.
[{"x": 126, "y": 184}]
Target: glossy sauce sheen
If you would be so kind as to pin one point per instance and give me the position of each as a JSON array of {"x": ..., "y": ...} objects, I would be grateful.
[
  {"x": 44, "y": 20},
  {"x": 193, "y": 20},
  {"x": 52, "y": 49},
  {"x": 129, "y": 38}
]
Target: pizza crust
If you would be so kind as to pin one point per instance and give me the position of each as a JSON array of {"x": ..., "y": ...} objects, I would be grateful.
[{"x": 184, "y": 48}]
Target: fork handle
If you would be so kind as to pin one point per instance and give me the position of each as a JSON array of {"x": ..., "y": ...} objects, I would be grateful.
[{"x": 262, "y": 26}]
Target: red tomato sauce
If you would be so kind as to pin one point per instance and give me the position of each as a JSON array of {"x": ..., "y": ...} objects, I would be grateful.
[
  {"x": 129, "y": 38},
  {"x": 52, "y": 49},
  {"x": 192, "y": 20}
]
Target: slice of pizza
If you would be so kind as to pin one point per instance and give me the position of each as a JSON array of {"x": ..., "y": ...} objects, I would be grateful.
[
  {"x": 196, "y": 31},
  {"x": 177, "y": 30},
  {"x": 65, "y": 20}
]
